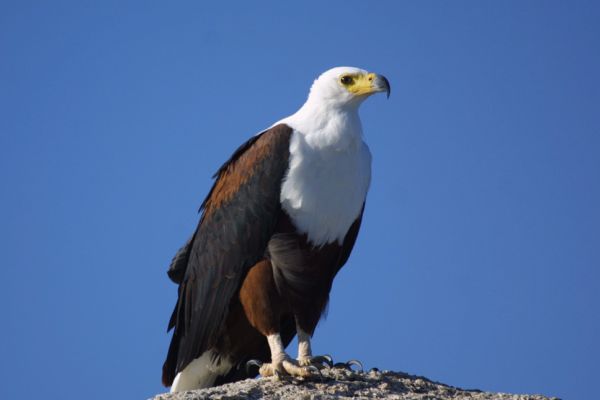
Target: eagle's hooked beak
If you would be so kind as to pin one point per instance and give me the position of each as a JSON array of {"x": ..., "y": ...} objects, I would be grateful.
[
  {"x": 381, "y": 84},
  {"x": 365, "y": 84}
]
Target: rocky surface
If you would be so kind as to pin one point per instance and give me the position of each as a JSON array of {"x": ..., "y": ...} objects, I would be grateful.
[{"x": 339, "y": 383}]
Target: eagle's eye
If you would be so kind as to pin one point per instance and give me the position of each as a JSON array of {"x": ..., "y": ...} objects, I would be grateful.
[{"x": 346, "y": 80}]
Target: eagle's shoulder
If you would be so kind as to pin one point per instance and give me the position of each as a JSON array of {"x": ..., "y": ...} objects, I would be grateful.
[{"x": 270, "y": 146}]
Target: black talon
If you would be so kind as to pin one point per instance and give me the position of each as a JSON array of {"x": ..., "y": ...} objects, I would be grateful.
[
  {"x": 256, "y": 363},
  {"x": 349, "y": 364},
  {"x": 355, "y": 362},
  {"x": 278, "y": 375},
  {"x": 312, "y": 368},
  {"x": 324, "y": 359}
]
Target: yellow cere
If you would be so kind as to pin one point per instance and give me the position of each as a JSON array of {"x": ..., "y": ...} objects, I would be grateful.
[{"x": 359, "y": 84}]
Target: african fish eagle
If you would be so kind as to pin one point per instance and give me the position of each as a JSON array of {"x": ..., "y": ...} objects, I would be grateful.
[{"x": 278, "y": 224}]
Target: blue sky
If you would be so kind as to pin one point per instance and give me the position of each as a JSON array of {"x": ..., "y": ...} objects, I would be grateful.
[{"x": 478, "y": 261}]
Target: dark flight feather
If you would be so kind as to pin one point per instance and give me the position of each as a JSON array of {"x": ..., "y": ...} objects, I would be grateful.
[
  {"x": 238, "y": 218},
  {"x": 179, "y": 262}
]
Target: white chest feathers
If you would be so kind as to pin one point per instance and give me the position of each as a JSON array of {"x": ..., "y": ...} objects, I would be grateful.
[{"x": 325, "y": 186}]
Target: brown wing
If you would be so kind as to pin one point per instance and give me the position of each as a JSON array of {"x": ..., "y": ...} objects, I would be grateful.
[{"x": 238, "y": 218}]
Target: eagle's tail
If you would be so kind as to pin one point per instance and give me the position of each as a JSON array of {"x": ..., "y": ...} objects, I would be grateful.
[{"x": 201, "y": 372}]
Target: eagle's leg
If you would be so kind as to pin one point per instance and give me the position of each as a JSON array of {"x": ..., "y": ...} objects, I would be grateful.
[
  {"x": 262, "y": 305},
  {"x": 305, "y": 356},
  {"x": 282, "y": 363}
]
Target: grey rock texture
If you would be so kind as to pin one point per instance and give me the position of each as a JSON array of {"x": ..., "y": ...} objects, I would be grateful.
[{"x": 338, "y": 383}]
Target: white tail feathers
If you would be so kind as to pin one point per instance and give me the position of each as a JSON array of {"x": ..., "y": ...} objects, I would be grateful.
[{"x": 201, "y": 372}]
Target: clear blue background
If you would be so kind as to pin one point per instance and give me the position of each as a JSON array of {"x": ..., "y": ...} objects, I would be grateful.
[{"x": 478, "y": 261}]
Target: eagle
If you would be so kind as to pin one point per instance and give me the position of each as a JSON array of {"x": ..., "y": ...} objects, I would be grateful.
[{"x": 278, "y": 223}]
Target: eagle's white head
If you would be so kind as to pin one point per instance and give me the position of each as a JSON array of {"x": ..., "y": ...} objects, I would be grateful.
[
  {"x": 330, "y": 112},
  {"x": 347, "y": 86}
]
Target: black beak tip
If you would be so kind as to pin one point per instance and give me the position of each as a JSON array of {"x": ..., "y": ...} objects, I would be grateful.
[{"x": 388, "y": 88}]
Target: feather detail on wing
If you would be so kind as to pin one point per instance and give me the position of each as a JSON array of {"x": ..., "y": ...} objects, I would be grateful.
[{"x": 238, "y": 218}]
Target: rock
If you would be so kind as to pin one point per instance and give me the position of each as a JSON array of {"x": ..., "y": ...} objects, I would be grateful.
[{"x": 339, "y": 383}]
